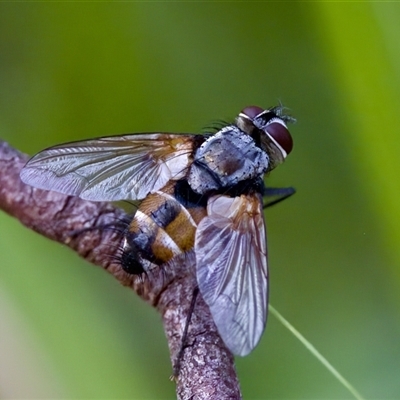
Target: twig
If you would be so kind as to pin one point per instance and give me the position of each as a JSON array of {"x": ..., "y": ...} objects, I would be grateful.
[{"x": 207, "y": 367}]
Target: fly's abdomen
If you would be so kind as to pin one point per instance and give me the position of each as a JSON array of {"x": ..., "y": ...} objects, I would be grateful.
[{"x": 161, "y": 229}]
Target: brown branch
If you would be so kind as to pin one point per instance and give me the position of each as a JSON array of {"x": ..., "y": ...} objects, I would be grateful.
[{"x": 207, "y": 368}]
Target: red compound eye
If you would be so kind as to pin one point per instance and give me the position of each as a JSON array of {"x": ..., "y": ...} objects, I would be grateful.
[
  {"x": 252, "y": 111},
  {"x": 281, "y": 135}
]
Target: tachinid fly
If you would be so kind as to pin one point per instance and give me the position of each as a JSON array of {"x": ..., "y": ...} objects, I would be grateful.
[{"x": 198, "y": 192}]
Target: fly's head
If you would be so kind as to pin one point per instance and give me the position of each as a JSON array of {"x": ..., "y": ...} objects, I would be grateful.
[{"x": 269, "y": 131}]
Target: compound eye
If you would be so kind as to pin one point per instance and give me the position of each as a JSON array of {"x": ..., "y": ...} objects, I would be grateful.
[
  {"x": 281, "y": 135},
  {"x": 252, "y": 111}
]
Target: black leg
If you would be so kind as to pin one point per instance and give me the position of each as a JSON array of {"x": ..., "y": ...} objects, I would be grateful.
[
  {"x": 278, "y": 195},
  {"x": 177, "y": 365}
]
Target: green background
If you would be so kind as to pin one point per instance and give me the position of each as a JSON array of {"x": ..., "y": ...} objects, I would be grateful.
[{"x": 71, "y": 71}]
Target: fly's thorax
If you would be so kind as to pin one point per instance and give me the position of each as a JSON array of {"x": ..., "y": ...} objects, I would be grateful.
[
  {"x": 160, "y": 230},
  {"x": 226, "y": 159}
]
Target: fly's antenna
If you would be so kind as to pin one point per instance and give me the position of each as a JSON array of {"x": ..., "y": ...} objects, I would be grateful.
[{"x": 280, "y": 111}]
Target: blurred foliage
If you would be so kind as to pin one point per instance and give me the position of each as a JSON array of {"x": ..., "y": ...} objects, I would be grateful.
[{"x": 71, "y": 71}]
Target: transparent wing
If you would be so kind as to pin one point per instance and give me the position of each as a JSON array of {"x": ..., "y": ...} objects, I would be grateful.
[
  {"x": 231, "y": 258},
  {"x": 111, "y": 168}
]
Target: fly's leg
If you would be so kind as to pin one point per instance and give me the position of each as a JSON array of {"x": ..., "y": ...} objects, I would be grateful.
[
  {"x": 177, "y": 364},
  {"x": 277, "y": 195}
]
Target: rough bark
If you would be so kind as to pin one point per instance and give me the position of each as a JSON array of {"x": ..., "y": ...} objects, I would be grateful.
[{"x": 207, "y": 367}]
